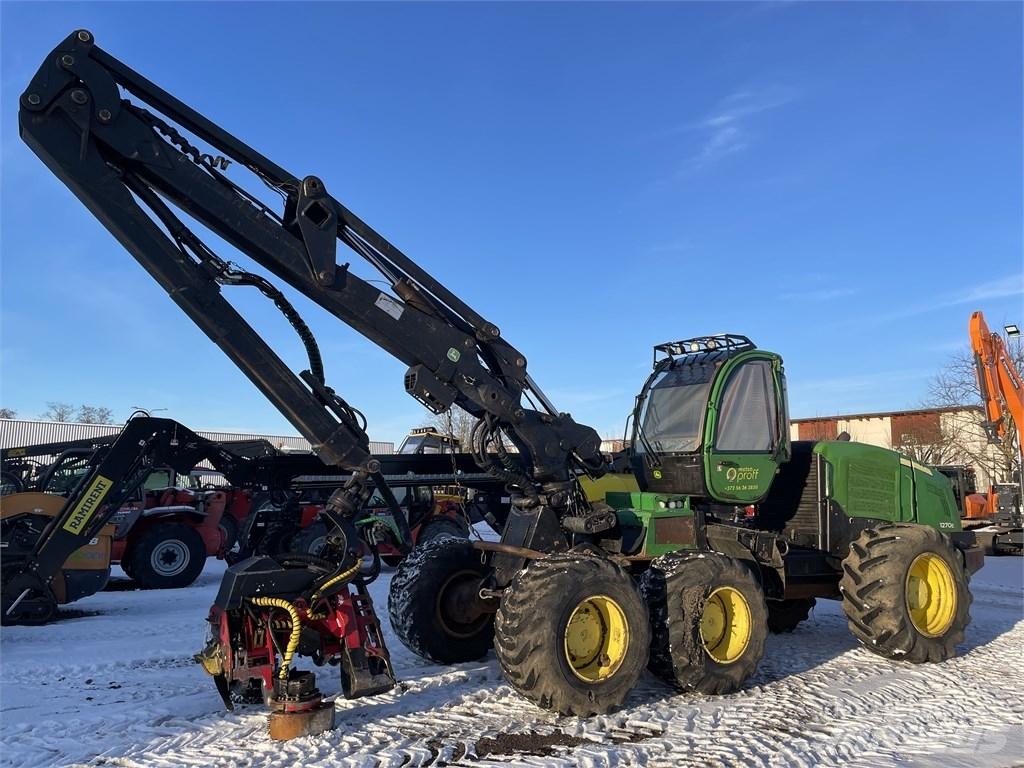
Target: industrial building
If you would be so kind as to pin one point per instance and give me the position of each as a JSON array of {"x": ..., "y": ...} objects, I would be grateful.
[
  {"x": 938, "y": 436},
  {"x": 19, "y": 432}
]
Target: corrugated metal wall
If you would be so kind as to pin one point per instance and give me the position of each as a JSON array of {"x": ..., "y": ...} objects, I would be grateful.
[{"x": 18, "y": 432}]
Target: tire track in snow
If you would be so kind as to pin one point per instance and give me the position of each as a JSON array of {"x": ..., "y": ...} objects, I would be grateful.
[{"x": 817, "y": 699}]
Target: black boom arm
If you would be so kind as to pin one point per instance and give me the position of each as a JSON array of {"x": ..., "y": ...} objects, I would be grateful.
[{"x": 131, "y": 163}]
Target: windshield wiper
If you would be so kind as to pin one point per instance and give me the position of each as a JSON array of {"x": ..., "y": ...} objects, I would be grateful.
[{"x": 650, "y": 454}]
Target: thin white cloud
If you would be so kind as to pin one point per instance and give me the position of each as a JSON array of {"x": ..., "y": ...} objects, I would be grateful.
[
  {"x": 1011, "y": 285},
  {"x": 999, "y": 288},
  {"x": 741, "y": 104},
  {"x": 860, "y": 381},
  {"x": 725, "y": 140},
  {"x": 726, "y": 128},
  {"x": 819, "y": 294}
]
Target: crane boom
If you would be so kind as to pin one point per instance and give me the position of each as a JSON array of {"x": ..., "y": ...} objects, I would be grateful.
[
  {"x": 134, "y": 163},
  {"x": 129, "y": 166},
  {"x": 999, "y": 380}
]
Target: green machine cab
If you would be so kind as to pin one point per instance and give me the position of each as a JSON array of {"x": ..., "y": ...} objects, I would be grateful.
[{"x": 711, "y": 446}]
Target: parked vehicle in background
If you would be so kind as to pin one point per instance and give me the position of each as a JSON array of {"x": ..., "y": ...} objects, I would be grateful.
[
  {"x": 162, "y": 535},
  {"x": 995, "y": 514},
  {"x": 439, "y": 490},
  {"x": 425, "y": 440}
]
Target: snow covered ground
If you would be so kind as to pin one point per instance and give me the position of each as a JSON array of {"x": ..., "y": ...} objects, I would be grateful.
[{"x": 116, "y": 686}]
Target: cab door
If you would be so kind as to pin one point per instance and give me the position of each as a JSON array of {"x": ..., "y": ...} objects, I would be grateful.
[{"x": 746, "y": 434}]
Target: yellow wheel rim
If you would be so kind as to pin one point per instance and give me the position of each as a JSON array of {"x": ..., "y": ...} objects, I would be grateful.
[
  {"x": 725, "y": 625},
  {"x": 596, "y": 639},
  {"x": 931, "y": 595}
]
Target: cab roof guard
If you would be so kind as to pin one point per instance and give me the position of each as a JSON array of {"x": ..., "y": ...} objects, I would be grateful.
[{"x": 728, "y": 343}]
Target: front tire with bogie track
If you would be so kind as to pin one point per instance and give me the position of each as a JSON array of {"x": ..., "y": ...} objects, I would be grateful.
[
  {"x": 572, "y": 634},
  {"x": 708, "y": 621},
  {"x": 906, "y": 593},
  {"x": 434, "y": 605}
]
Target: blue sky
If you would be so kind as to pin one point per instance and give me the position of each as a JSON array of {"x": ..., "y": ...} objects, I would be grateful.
[{"x": 841, "y": 182}]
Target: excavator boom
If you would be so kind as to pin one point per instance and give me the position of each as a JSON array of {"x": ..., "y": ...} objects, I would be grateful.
[{"x": 1001, "y": 387}]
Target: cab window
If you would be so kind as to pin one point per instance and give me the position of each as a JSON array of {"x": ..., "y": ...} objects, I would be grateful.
[
  {"x": 748, "y": 420},
  {"x": 673, "y": 415},
  {"x": 159, "y": 479}
]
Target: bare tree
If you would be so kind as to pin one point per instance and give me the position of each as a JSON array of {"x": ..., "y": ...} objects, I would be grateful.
[
  {"x": 456, "y": 422},
  {"x": 58, "y": 412},
  {"x": 95, "y": 414},
  {"x": 8, "y": 413},
  {"x": 936, "y": 448},
  {"x": 89, "y": 414},
  {"x": 964, "y": 440}
]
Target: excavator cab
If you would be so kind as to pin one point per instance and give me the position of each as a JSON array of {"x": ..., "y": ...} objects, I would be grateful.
[{"x": 711, "y": 420}]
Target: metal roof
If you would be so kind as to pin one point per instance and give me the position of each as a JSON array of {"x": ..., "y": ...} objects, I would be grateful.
[
  {"x": 18, "y": 432},
  {"x": 887, "y": 414}
]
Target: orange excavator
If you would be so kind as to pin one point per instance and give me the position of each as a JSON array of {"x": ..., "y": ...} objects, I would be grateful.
[{"x": 1003, "y": 394}]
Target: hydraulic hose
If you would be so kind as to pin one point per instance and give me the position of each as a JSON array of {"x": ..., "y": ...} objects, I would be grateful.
[
  {"x": 343, "y": 576},
  {"x": 293, "y": 638}
]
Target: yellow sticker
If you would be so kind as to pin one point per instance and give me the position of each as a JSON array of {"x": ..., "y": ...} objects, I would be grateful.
[
  {"x": 657, "y": 474},
  {"x": 88, "y": 504}
]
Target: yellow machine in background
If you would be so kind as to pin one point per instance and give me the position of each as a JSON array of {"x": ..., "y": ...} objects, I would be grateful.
[{"x": 87, "y": 569}]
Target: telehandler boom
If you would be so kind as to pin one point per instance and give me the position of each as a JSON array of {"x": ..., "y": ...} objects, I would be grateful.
[
  {"x": 728, "y": 528},
  {"x": 32, "y": 580}
]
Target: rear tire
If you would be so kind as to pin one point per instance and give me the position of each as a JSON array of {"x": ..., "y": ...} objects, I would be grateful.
[
  {"x": 37, "y": 607},
  {"x": 419, "y": 612},
  {"x": 572, "y": 634},
  {"x": 10, "y": 483},
  {"x": 443, "y": 526},
  {"x": 906, "y": 593},
  {"x": 167, "y": 556},
  {"x": 708, "y": 621},
  {"x": 229, "y": 525},
  {"x": 311, "y": 540},
  {"x": 786, "y": 615}
]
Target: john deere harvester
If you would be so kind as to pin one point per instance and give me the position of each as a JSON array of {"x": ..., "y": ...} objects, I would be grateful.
[
  {"x": 733, "y": 531},
  {"x": 727, "y": 529}
]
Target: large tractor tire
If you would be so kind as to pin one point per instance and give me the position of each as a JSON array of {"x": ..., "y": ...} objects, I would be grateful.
[
  {"x": 38, "y": 606},
  {"x": 126, "y": 566},
  {"x": 311, "y": 540},
  {"x": 787, "y": 615},
  {"x": 443, "y": 525},
  {"x": 434, "y": 606},
  {"x": 906, "y": 593},
  {"x": 708, "y": 621},
  {"x": 10, "y": 484},
  {"x": 167, "y": 556},
  {"x": 572, "y": 633},
  {"x": 229, "y": 525}
]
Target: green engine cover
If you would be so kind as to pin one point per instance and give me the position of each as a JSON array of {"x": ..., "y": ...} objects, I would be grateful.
[{"x": 866, "y": 481}]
